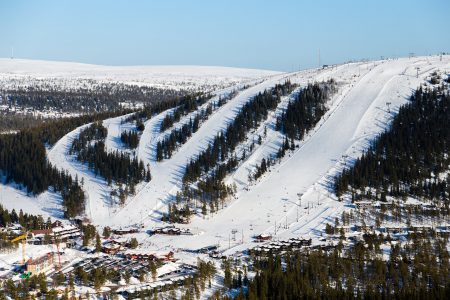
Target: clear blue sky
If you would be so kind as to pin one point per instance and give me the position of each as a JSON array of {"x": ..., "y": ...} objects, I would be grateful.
[{"x": 278, "y": 35}]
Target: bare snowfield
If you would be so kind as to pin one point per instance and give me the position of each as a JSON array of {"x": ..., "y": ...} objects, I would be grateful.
[
  {"x": 24, "y": 72},
  {"x": 47, "y": 204},
  {"x": 294, "y": 198}
]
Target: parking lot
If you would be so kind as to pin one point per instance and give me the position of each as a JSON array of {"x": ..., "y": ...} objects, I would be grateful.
[
  {"x": 118, "y": 263},
  {"x": 133, "y": 267}
]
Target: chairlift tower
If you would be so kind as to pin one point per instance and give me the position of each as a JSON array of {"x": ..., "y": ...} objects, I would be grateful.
[
  {"x": 275, "y": 228},
  {"x": 234, "y": 231}
]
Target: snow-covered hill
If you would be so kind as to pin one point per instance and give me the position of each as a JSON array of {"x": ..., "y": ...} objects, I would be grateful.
[
  {"x": 68, "y": 75},
  {"x": 294, "y": 197}
]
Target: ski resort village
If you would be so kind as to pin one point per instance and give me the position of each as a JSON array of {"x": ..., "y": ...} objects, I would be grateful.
[{"x": 212, "y": 182}]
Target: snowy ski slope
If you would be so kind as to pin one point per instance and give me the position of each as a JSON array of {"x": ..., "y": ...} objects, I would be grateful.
[{"x": 294, "y": 198}]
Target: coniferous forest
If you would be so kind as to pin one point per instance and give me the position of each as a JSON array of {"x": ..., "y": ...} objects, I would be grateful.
[
  {"x": 409, "y": 158},
  {"x": 23, "y": 161},
  {"x": 225, "y": 150},
  {"x": 26, "y": 220},
  {"x": 113, "y": 166},
  {"x": 216, "y": 160},
  {"x": 140, "y": 116},
  {"x": 250, "y": 115},
  {"x": 190, "y": 103},
  {"x": 178, "y": 136},
  {"x": 301, "y": 115},
  {"x": 103, "y": 97},
  {"x": 130, "y": 138},
  {"x": 419, "y": 271},
  {"x": 305, "y": 110},
  {"x": 406, "y": 160},
  {"x": 23, "y": 156}
]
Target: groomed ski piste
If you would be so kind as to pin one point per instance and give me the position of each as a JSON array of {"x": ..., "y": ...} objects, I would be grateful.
[{"x": 293, "y": 199}]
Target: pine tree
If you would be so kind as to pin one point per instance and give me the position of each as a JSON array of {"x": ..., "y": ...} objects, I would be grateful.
[
  {"x": 98, "y": 243},
  {"x": 134, "y": 243},
  {"x": 106, "y": 232},
  {"x": 228, "y": 280}
]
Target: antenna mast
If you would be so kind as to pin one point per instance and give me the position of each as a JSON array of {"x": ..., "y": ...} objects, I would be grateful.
[{"x": 318, "y": 56}]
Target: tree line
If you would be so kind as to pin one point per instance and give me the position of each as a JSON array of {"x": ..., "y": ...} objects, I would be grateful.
[
  {"x": 27, "y": 221},
  {"x": 23, "y": 161},
  {"x": 301, "y": 115},
  {"x": 130, "y": 138},
  {"x": 10, "y": 121},
  {"x": 96, "y": 131},
  {"x": 179, "y": 136},
  {"x": 113, "y": 166},
  {"x": 23, "y": 156},
  {"x": 189, "y": 104},
  {"x": 249, "y": 117},
  {"x": 215, "y": 161},
  {"x": 140, "y": 116},
  {"x": 306, "y": 109},
  {"x": 419, "y": 271},
  {"x": 101, "y": 97}
]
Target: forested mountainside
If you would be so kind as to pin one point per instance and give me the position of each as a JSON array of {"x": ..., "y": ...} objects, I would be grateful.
[
  {"x": 411, "y": 158},
  {"x": 23, "y": 157},
  {"x": 120, "y": 168},
  {"x": 306, "y": 109},
  {"x": 103, "y": 97},
  {"x": 324, "y": 183},
  {"x": 419, "y": 271}
]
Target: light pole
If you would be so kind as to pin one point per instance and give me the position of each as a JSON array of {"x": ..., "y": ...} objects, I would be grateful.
[{"x": 300, "y": 195}]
